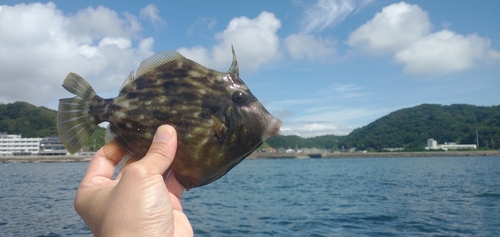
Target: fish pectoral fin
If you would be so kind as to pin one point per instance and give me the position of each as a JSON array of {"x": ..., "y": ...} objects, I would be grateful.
[{"x": 220, "y": 128}]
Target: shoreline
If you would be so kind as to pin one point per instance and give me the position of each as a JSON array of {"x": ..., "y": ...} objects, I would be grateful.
[
  {"x": 373, "y": 154},
  {"x": 61, "y": 159},
  {"x": 43, "y": 159}
]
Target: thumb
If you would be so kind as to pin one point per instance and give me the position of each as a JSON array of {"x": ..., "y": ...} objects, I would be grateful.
[{"x": 162, "y": 151}]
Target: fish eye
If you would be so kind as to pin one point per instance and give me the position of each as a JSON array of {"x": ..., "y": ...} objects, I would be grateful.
[{"x": 239, "y": 96}]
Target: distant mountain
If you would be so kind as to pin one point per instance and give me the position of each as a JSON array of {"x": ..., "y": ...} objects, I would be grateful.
[
  {"x": 411, "y": 127},
  {"x": 32, "y": 121},
  {"x": 27, "y": 120}
]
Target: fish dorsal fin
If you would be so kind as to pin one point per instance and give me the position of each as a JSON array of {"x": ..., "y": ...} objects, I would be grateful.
[
  {"x": 157, "y": 60},
  {"x": 127, "y": 81}
]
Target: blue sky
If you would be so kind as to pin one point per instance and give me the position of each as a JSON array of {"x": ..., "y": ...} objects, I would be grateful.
[{"x": 322, "y": 67}]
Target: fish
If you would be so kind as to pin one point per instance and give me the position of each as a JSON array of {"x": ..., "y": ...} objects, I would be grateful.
[{"x": 218, "y": 120}]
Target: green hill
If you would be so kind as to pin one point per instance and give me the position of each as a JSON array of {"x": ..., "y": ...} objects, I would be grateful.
[
  {"x": 293, "y": 141},
  {"x": 409, "y": 128},
  {"x": 32, "y": 121},
  {"x": 27, "y": 120}
]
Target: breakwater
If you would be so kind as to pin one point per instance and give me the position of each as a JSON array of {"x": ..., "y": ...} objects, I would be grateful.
[
  {"x": 43, "y": 159},
  {"x": 256, "y": 155},
  {"x": 377, "y": 154}
]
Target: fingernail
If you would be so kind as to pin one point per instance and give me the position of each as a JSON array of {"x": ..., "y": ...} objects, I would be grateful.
[{"x": 164, "y": 134}]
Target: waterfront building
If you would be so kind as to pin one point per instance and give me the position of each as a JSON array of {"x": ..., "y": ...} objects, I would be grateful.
[
  {"x": 268, "y": 150},
  {"x": 313, "y": 150},
  {"x": 16, "y": 145},
  {"x": 432, "y": 145},
  {"x": 289, "y": 150},
  {"x": 52, "y": 146},
  {"x": 391, "y": 149},
  {"x": 281, "y": 150}
]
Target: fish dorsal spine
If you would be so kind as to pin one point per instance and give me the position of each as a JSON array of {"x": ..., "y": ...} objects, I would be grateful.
[
  {"x": 234, "y": 69},
  {"x": 156, "y": 61}
]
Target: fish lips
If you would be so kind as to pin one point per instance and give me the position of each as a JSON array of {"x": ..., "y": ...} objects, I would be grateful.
[{"x": 272, "y": 129}]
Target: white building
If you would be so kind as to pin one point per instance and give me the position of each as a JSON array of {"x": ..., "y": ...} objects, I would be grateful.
[
  {"x": 12, "y": 145},
  {"x": 15, "y": 145},
  {"x": 432, "y": 145},
  {"x": 52, "y": 146}
]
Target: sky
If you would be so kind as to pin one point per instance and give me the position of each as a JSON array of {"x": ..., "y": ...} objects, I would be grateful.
[{"x": 322, "y": 67}]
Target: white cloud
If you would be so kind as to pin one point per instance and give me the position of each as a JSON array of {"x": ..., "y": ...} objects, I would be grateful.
[
  {"x": 86, "y": 25},
  {"x": 318, "y": 17},
  {"x": 326, "y": 13},
  {"x": 282, "y": 113},
  {"x": 340, "y": 88},
  {"x": 338, "y": 91},
  {"x": 202, "y": 24},
  {"x": 255, "y": 42},
  {"x": 300, "y": 46},
  {"x": 404, "y": 30},
  {"x": 444, "y": 51},
  {"x": 151, "y": 11},
  {"x": 40, "y": 45},
  {"x": 329, "y": 120},
  {"x": 324, "y": 113},
  {"x": 396, "y": 27}
]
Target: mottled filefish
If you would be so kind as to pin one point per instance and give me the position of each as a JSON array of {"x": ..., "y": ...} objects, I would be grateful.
[{"x": 218, "y": 120}]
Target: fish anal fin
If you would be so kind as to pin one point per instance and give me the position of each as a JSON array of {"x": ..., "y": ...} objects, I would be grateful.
[
  {"x": 118, "y": 154},
  {"x": 114, "y": 152},
  {"x": 116, "y": 149},
  {"x": 109, "y": 135}
]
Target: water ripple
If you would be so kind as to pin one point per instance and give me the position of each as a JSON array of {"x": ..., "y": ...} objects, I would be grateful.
[{"x": 289, "y": 197}]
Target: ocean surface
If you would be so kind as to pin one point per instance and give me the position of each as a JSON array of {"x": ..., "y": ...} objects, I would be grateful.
[{"x": 288, "y": 197}]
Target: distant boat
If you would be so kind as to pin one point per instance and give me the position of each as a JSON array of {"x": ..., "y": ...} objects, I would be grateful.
[{"x": 315, "y": 155}]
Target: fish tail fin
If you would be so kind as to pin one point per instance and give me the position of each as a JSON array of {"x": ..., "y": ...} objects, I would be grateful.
[{"x": 74, "y": 122}]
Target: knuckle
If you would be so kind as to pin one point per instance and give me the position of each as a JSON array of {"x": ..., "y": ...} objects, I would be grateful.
[
  {"x": 163, "y": 151},
  {"x": 136, "y": 169}
]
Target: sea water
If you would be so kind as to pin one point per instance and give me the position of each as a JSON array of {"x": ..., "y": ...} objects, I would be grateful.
[{"x": 456, "y": 196}]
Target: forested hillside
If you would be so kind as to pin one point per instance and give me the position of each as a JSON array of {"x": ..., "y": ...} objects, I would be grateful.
[
  {"x": 27, "y": 120},
  {"x": 31, "y": 121},
  {"x": 409, "y": 128},
  {"x": 293, "y": 141}
]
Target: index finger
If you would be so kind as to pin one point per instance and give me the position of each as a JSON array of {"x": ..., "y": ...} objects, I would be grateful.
[{"x": 103, "y": 163}]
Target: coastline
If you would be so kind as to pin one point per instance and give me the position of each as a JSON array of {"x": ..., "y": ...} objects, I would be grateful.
[
  {"x": 374, "y": 154},
  {"x": 255, "y": 155},
  {"x": 43, "y": 159}
]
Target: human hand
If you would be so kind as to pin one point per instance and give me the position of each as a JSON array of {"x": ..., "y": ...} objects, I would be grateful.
[{"x": 138, "y": 202}]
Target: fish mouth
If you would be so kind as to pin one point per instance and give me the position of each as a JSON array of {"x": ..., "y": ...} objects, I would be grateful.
[{"x": 272, "y": 129}]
